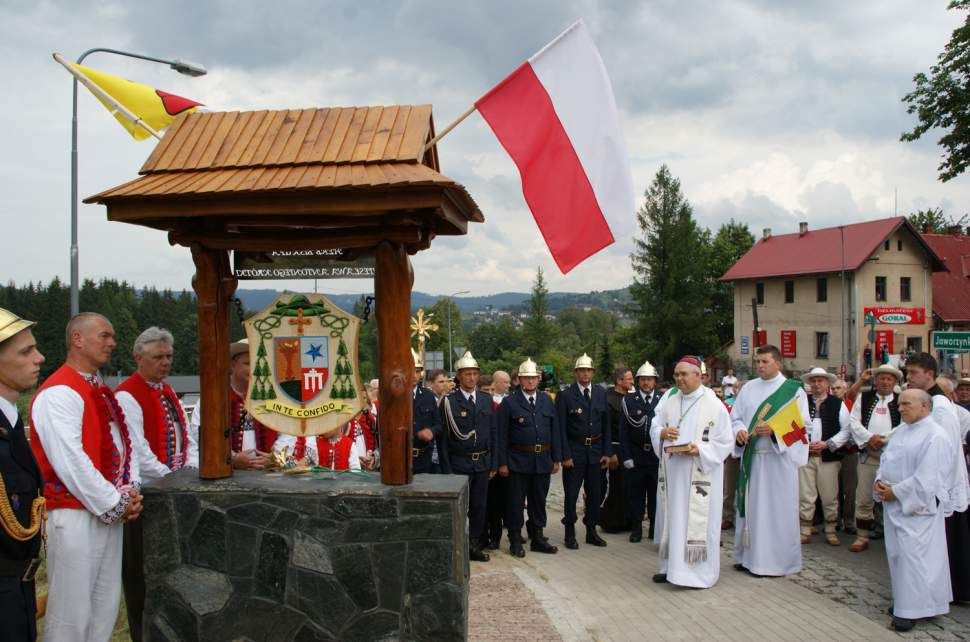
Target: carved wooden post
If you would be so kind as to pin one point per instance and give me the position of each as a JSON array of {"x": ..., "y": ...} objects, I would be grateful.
[
  {"x": 214, "y": 286},
  {"x": 392, "y": 288}
]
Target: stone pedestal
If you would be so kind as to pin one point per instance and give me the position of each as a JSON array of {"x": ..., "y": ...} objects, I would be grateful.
[{"x": 261, "y": 556}]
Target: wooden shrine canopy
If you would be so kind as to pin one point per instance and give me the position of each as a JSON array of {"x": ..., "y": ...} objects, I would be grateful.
[{"x": 357, "y": 178}]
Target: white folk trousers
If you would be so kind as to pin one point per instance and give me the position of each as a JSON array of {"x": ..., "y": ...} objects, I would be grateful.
[
  {"x": 816, "y": 479},
  {"x": 84, "y": 574}
]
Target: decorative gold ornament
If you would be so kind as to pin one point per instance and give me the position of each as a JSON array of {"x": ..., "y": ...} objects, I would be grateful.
[
  {"x": 13, "y": 527},
  {"x": 422, "y": 327}
]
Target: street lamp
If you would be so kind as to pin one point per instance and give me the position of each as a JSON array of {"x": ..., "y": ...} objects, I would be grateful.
[
  {"x": 185, "y": 67},
  {"x": 451, "y": 353}
]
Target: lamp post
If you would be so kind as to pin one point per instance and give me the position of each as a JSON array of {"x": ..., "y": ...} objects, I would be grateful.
[
  {"x": 451, "y": 353},
  {"x": 183, "y": 67}
]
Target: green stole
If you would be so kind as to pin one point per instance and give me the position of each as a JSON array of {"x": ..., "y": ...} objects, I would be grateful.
[{"x": 776, "y": 400}]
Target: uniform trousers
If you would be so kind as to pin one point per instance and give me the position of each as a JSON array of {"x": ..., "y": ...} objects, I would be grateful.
[
  {"x": 133, "y": 574},
  {"x": 535, "y": 487},
  {"x": 641, "y": 487},
  {"x": 819, "y": 479},
  {"x": 17, "y": 610},
  {"x": 495, "y": 507},
  {"x": 84, "y": 573},
  {"x": 732, "y": 467},
  {"x": 573, "y": 479},
  {"x": 477, "y": 500},
  {"x": 864, "y": 503},
  {"x": 848, "y": 482}
]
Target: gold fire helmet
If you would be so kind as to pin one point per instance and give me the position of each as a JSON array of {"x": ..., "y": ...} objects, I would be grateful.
[
  {"x": 467, "y": 361},
  {"x": 647, "y": 370},
  {"x": 584, "y": 362},
  {"x": 11, "y": 324},
  {"x": 418, "y": 361},
  {"x": 528, "y": 368}
]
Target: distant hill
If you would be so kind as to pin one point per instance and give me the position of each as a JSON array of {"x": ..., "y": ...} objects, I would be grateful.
[{"x": 256, "y": 299}]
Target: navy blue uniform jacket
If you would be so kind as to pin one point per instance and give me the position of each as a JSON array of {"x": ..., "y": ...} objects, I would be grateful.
[
  {"x": 519, "y": 424},
  {"x": 479, "y": 417},
  {"x": 581, "y": 421},
  {"x": 425, "y": 415},
  {"x": 633, "y": 439}
]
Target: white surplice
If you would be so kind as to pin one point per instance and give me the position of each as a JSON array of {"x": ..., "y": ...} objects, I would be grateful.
[
  {"x": 774, "y": 540},
  {"x": 679, "y": 468},
  {"x": 945, "y": 415},
  {"x": 915, "y": 463},
  {"x": 83, "y": 552}
]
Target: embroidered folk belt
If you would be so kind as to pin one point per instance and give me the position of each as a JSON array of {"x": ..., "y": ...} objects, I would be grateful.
[
  {"x": 586, "y": 441},
  {"x": 473, "y": 456},
  {"x": 24, "y": 569},
  {"x": 525, "y": 448}
]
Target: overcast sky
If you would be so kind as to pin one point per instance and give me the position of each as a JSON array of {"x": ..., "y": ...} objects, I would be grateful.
[{"x": 769, "y": 112}]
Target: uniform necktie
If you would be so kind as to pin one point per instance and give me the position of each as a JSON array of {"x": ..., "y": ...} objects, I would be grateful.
[
  {"x": 586, "y": 393},
  {"x": 532, "y": 402}
]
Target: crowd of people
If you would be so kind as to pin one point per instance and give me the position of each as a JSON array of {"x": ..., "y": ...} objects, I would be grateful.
[{"x": 684, "y": 460}]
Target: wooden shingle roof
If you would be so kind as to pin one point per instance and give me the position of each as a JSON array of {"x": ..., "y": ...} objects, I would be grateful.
[{"x": 217, "y": 177}]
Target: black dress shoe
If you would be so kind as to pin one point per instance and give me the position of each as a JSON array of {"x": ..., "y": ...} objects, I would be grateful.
[
  {"x": 740, "y": 567},
  {"x": 660, "y": 578},
  {"x": 477, "y": 555},
  {"x": 494, "y": 544},
  {"x": 542, "y": 545},
  {"x": 570, "y": 538},
  {"x": 902, "y": 624},
  {"x": 592, "y": 537},
  {"x": 515, "y": 546},
  {"x": 636, "y": 535}
]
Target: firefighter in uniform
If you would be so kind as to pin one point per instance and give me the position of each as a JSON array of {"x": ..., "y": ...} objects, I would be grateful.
[
  {"x": 426, "y": 423},
  {"x": 468, "y": 446},
  {"x": 22, "y": 513},
  {"x": 636, "y": 449},
  {"x": 529, "y": 451}
]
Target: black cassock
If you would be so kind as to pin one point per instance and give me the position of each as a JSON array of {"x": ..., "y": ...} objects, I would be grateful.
[{"x": 614, "y": 514}]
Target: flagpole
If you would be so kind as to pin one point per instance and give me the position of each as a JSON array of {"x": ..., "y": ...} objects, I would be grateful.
[
  {"x": 447, "y": 129},
  {"x": 185, "y": 67}
]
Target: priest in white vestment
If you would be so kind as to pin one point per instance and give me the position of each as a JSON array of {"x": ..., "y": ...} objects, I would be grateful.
[
  {"x": 911, "y": 484},
  {"x": 766, "y": 537},
  {"x": 695, "y": 426}
]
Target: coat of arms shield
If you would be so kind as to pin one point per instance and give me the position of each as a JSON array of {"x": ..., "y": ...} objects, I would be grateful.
[{"x": 303, "y": 370}]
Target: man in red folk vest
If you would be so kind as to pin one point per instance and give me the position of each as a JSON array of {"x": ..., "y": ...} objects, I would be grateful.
[
  {"x": 159, "y": 434},
  {"x": 252, "y": 442},
  {"x": 91, "y": 484}
]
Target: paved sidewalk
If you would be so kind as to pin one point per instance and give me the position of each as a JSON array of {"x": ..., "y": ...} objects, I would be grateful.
[{"x": 607, "y": 594}]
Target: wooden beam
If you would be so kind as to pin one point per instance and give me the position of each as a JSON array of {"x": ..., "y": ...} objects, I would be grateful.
[
  {"x": 297, "y": 240},
  {"x": 393, "y": 279},
  {"x": 214, "y": 286}
]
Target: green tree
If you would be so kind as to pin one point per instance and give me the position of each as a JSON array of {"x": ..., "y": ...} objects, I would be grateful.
[
  {"x": 935, "y": 220},
  {"x": 604, "y": 360},
  {"x": 670, "y": 285},
  {"x": 538, "y": 331},
  {"x": 942, "y": 100},
  {"x": 731, "y": 242}
]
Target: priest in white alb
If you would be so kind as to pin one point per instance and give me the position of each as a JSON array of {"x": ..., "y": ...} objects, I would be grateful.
[
  {"x": 766, "y": 537},
  {"x": 911, "y": 484},
  {"x": 693, "y": 433}
]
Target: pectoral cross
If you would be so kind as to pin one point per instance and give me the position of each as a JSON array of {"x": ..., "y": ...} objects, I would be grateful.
[{"x": 299, "y": 322}]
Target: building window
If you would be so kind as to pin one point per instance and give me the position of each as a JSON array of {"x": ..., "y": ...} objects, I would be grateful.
[
  {"x": 886, "y": 245},
  {"x": 822, "y": 290},
  {"x": 914, "y": 344},
  {"x": 822, "y": 345},
  {"x": 880, "y": 288},
  {"x": 789, "y": 291},
  {"x": 905, "y": 288},
  {"x": 899, "y": 245},
  {"x": 759, "y": 293}
]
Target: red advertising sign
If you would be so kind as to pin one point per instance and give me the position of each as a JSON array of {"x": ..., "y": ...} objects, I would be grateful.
[
  {"x": 883, "y": 338},
  {"x": 879, "y": 316},
  {"x": 761, "y": 338},
  {"x": 788, "y": 343}
]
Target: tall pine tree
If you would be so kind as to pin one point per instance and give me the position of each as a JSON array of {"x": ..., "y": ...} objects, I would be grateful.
[
  {"x": 537, "y": 331},
  {"x": 670, "y": 285}
]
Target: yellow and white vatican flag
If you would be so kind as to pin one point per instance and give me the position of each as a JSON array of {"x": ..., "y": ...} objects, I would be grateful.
[{"x": 142, "y": 110}]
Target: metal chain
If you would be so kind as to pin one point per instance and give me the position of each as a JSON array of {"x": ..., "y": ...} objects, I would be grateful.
[
  {"x": 239, "y": 309},
  {"x": 367, "y": 303}
]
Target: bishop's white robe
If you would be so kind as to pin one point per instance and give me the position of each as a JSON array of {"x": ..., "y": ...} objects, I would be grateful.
[
  {"x": 771, "y": 516},
  {"x": 701, "y": 574},
  {"x": 915, "y": 464}
]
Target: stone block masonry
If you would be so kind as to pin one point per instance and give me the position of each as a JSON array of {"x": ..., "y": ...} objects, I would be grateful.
[{"x": 262, "y": 556}]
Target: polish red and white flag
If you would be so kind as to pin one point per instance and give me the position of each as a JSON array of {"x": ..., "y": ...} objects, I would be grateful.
[{"x": 556, "y": 116}]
